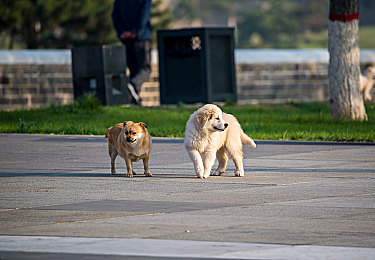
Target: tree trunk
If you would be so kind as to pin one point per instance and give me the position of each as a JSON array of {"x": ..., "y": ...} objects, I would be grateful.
[{"x": 346, "y": 99}]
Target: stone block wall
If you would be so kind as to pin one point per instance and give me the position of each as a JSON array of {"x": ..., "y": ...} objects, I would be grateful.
[
  {"x": 150, "y": 93},
  {"x": 34, "y": 85},
  {"x": 259, "y": 79},
  {"x": 280, "y": 83}
]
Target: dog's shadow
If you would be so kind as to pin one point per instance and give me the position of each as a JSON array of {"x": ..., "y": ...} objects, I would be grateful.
[{"x": 138, "y": 175}]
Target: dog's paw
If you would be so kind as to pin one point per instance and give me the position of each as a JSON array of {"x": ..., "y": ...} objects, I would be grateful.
[
  {"x": 148, "y": 174},
  {"x": 130, "y": 175},
  {"x": 113, "y": 172},
  {"x": 206, "y": 175},
  {"x": 217, "y": 173},
  {"x": 239, "y": 174}
]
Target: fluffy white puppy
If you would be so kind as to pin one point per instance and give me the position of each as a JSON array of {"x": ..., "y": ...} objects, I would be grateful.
[{"x": 212, "y": 134}]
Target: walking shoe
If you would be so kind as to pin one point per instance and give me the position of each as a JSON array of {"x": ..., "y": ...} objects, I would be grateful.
[{"x": 133, "y": 92}]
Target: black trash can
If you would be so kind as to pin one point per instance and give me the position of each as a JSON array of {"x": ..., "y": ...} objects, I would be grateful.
[
  {"x": 196, "y": 65},
  {"x": 101, "y": 70}
]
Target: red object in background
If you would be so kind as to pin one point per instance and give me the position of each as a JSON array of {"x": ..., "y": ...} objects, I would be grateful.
[{"x": 343, "y": 17}]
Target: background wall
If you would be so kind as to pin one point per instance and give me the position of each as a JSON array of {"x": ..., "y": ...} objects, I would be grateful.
[{"x": 30, "y": 79}]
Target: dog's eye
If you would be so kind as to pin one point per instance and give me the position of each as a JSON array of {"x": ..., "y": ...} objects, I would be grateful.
[
  {"x": 217, "y": 118},
  {"x": 126, "y": 132},
  {"x": 134, "y": 133}
]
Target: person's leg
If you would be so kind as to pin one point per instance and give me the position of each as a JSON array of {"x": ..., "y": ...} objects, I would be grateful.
[
  {"x": 142, "y": 51},
  {"x": 133, "y": 65}
]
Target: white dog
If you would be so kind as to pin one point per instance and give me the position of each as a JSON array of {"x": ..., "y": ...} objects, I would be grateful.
[
  {"x": 366, "y": 82},
  {"x": 212, "y": 133}
]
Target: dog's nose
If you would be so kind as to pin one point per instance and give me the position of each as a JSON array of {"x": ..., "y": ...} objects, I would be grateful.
[{"x": 226, "y": 125}]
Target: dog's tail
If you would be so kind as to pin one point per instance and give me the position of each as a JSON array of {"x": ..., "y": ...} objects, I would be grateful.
[
  {"x": 106, "y": 134},
  {"x": 247, "y": 140}
]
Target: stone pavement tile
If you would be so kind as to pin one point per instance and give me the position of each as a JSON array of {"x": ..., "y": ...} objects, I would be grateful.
[
  {"x": 266, "y": 193},
  {"x": 270, "y": 222},
  {"x": 68, "y": 256},
  {"x": 104, "y": 229},
  {"x": 252, "y": 215},
  {"x": 365, "y": 153},
  {"x": 360, "y": 202},
  {"x": 275, "y": 148},
  {"x": 306, "y": 165},
  {"x": 169, "y": 249},
  {"x": 135, "y": 206},
  {"x": 249, "y": 234},
  {"x": 12, "y": 219},
  {"x": 313, "y": 194},
  {"x": 266, "y": 211}
]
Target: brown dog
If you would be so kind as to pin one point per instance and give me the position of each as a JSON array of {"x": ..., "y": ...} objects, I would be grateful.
[{"x": 132, "y": 142}]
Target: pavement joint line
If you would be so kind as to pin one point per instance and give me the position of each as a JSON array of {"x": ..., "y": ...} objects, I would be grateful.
[
  {"x": 363, "y": 195},
  {"x": 302, "y": 182}
]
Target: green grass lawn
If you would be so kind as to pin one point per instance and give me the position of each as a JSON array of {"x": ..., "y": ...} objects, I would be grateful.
[
  {"x": 293, "y": 121},
  {"x": 309, "y": 39},
  {"x": 367, "y": 37}
]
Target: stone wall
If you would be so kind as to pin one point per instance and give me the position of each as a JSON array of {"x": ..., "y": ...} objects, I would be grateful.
[
  {"x": 279, "y": 76},
  {"x": 34, "y": 85},
  {"x": 280, "y": 83},
  {"x": 262, "y": 77}
]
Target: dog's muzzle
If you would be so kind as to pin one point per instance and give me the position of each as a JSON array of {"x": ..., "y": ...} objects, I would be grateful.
[
  {"x": 130, "y": 140},
  {"x": 221, "y": 129}
]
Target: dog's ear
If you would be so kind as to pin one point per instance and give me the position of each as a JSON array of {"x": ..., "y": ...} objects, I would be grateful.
[
  {"x": 143, "y": 125},
  {"x": 204, "y": 116},
  {"x": 200, "y": 118},
  {"x": 127, "y": 122}
]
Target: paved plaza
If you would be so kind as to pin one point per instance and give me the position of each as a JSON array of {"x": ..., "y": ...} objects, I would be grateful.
[{"x": 298, "y": 200}]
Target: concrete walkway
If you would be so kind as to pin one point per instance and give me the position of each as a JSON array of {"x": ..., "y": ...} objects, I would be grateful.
[{"x": 297, "y": 201}]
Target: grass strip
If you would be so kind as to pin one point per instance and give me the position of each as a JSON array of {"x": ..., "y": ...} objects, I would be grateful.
[{"x": 292, "y": 121}]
